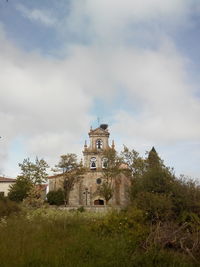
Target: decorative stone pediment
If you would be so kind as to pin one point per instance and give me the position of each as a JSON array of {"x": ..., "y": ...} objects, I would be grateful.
[{"x": 99, "y": 132}]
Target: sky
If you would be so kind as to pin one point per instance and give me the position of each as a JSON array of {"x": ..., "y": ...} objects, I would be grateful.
[{"x": 134, "y": 64}]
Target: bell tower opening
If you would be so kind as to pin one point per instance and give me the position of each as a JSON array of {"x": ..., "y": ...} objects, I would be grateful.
[
  {"x": 99, "y": 144},
  {"x": 93, "y": 163}
]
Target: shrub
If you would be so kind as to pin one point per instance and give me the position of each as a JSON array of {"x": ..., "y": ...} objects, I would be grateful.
[
  {"x": 20, "y": 189},
  {"x": 156, "y": 206},
  {"x": 186, "y": 196},
  {"x": 8, "y": 207},
  {"x": 55, "y": 197},
  {"x": 34, "y": 198},
  {"x": 131, "y": 223}
]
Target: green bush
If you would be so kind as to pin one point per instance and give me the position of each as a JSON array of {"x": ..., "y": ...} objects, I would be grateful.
[
  {"x": 130, "y": 225},
  {"x": 55, "y": 197},
  {"x": 8, "y": 207},
  {"x": 156, "y": 206},
  {"x": 19, "y": 190}
]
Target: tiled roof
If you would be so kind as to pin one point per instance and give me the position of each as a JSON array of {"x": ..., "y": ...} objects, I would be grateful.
[{"x": 7, "y": 180}]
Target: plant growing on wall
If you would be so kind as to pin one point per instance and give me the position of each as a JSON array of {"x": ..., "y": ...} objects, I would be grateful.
[
  {"x": 111, "y": 172},
  {"x": 72, "y": 171}
]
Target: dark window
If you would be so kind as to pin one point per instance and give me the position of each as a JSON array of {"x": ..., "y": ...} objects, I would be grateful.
[
  {"x": 98, "y": 181},
  {"x": 99, "y": 202}
]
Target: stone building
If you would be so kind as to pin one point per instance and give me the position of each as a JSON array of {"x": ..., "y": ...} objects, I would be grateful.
[{"x": 85, "y": 191}]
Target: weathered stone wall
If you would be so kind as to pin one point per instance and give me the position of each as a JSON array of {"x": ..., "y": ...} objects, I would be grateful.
[{"x": 85, "y": 192}]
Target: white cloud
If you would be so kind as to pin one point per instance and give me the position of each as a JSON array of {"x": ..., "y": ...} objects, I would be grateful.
[
  {"x": 50, "y": 100},
  {"x": 109, "y": 21},
  {"x": 39, "y": 100},
  {"x": 166, "y": 107},
  {"x": 44, "y": 17}
]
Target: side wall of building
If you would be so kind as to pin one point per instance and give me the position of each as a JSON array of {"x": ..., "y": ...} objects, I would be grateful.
[{"x": 4, "y": 187}]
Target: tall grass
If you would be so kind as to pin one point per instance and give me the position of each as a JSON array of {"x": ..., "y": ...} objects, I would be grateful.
[
  {"x": 55, "y": 238},
  {"x": 57, "y": 241}
]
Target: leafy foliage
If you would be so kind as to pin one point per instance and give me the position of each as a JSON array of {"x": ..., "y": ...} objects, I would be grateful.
[
  {"x": 67, "y": 163},
  {"x": 156, "y": 190},
  {"x": 136, "y": 164},
  {"x": 72, "y": 173},
  {"x": 34, "y": 198},
  {"x": 19, "y": 190},
  {"x": 110, "y": 174},
  {"x": 56, "y": 197},
  {"x": 106, "y": 190},
  {"x": 34, "y": 172},
  {"x": 156, "y": 206}
]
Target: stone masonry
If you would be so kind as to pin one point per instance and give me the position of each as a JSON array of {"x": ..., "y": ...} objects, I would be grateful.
[{"x": 84, "y": 192}]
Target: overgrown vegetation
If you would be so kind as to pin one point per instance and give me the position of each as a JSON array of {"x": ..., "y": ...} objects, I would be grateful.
[
  {"x": 49, "y": 237},
  {"x": 160, "y": 227},
  {"x": 55, "y": 197},
  {"x": 8, "y": 207},
  {"x": 32, "y": 174},
  {"x": 71, "y": 170},
  {"x": 111, "y": 173}
]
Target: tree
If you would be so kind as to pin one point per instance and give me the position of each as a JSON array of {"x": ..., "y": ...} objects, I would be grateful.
[
  {"x": 67, "y": 163},
  {"x": 72, "y": 173},
  {"x": 34, "y": 172},
  {"x": 31, "y": 175},
  {"x": 106, "y": 190},
  {"x": 153, "y": 160},
  {"x": 111, "y": 172},
  {"x": 34, "y": 198},
  {"x": 152, "y": 186},
  {"x": 20, "y": 189},
  {"x": 136, "y": 164}
]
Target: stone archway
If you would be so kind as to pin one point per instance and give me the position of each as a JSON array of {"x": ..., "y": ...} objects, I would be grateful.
[{"x": 99, "y": 202}]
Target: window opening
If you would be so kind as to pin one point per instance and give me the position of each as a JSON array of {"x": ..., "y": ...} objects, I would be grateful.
[
  {"x": 104, "y": 163},
  {"x": 99, "y": 144},
  {"x": 93, "y": 163}
]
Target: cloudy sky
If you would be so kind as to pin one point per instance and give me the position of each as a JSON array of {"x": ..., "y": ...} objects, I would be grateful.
[{"x": 135, "y": 64}]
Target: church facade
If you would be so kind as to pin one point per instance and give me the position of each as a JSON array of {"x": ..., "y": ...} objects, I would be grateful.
[{"x": 85, "y": 191}]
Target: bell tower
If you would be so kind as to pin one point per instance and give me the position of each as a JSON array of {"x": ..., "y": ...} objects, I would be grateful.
[{"x": 99, "y": 142}]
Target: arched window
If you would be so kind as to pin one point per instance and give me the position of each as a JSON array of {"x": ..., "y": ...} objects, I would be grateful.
[
  {"x": 93, "y": 163},
  {"x": 104, "y": 163},
  {"x": 99, "y": 144}
]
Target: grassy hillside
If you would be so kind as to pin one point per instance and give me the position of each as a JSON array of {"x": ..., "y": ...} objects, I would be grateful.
[{"x": 49, "y": 237}]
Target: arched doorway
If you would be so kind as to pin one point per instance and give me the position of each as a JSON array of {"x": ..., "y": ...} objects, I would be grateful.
[{"x": 99, "y": 202}]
